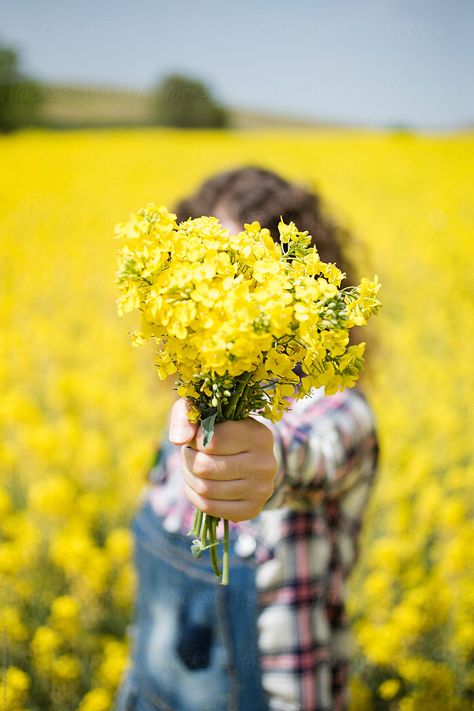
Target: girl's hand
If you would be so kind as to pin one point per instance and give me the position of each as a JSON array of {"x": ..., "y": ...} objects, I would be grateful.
[{"x": 233, "y": 477}]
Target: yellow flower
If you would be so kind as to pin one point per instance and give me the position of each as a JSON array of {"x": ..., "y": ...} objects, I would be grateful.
[
  {"x": 124, "y": 586},
  {"x": 66, "y": 667},
  {"x": 45, "y": 641},
  {"x": 53, "y": 496},
  {"x": 113, "y": 664},
  {"x": 71, "y": 549},
  {"x": 218, "y": 304},
  {"x": 360, "y": 695},
  {"x": 17, "y": 684},
  {"x": 65, "y": 615},
  {"x": 98, "y": 571},
  {"x": 388, "y": 689},
  {"x": 5, "y": 502},
  {"x": 118, "y": 545},
  {"x": 65, "y": 608},
  {"x": 10, "y": 558},
  {"x": 11, "y": 622},
  {"x": 96, "y": 700}
]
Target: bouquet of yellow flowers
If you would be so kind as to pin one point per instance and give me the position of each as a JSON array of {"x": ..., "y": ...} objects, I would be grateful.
[{"x": 233, "y": 315}]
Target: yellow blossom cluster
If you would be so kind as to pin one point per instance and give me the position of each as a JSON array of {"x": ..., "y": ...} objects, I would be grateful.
[
  {"x": 223, "y": 305},
  {"x": 81, "y": 411}
]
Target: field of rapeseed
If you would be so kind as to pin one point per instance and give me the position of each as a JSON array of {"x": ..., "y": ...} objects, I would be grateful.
[{"x": 80, "y": 411}]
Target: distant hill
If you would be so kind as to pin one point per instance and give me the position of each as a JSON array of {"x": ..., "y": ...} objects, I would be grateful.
[
  {"x": 96, "y": 106},
  {"x": 91, "y": 106}
]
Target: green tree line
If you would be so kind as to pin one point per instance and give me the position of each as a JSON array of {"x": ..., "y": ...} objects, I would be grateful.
[{"x": 177, "y": 100}]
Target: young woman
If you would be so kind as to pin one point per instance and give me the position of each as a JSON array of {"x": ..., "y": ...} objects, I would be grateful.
[{"x": 276, "y": 638}]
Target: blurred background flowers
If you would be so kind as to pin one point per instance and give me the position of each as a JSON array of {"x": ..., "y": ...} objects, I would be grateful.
[{"x": 367, "y": 103}]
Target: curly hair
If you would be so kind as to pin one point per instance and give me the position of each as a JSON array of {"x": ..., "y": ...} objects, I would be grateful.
[{"x": 251, "y": 193}]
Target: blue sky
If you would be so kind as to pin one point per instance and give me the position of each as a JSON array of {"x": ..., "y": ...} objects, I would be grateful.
[{"x": 373, "y": 62}]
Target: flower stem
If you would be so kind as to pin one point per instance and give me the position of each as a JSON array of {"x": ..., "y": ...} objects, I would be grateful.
[
  {"x": 225, "y": 560},
  {"x": 205, "y": 530},
  {"x": 213, "y": 551},
  {"x": 197, "y": 523},
  {"x": 242, "y": 401},
  {"x": 234, "y": 401}
]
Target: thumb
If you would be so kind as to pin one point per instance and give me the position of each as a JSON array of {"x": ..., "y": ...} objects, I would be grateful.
[{"x": 181, "y": 430}]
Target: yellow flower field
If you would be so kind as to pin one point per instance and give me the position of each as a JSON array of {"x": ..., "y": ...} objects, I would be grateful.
[{"x": 81, "y": 411}]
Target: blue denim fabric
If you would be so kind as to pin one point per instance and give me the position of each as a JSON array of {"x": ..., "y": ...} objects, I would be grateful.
[{"x": 195, "y": 646}]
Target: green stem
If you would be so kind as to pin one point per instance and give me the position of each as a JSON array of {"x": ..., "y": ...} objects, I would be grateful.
[
  {"x": 230, "y": 412},
  {"x": 225, "y": 560},
  {"x": 205, "y": 530},
  {"x": 242, "y": 402},
  {"x": 219, "y": 410},
  {"x": 197, "y": 522},
  {"x": 213, "y": 550}
]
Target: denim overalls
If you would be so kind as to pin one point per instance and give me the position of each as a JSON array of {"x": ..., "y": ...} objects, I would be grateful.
[{"x": 194, "y": 641}]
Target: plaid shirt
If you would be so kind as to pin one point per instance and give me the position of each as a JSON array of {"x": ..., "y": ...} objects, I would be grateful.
[{"x": 305, "y": 540}]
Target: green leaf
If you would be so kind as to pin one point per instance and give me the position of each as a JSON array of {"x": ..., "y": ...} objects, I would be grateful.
[{"x": 208, "y": 428}]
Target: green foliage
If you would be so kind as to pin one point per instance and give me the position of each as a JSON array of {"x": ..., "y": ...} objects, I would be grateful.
[
  {"x": 20, "y": 97},
  {"x": 186, "y": 103}
]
